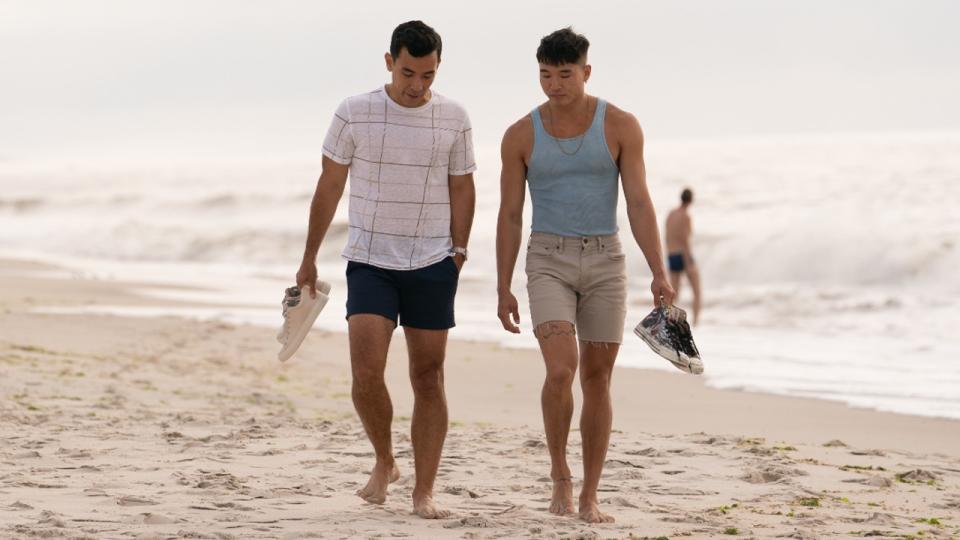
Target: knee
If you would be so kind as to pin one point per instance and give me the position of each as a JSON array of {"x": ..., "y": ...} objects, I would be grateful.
[
  {"x": 366, "y": 379},
  {"x": 595, "y": 379},
  {"x": 427, "y": 381},
  {"x": 560, "y": 377}
]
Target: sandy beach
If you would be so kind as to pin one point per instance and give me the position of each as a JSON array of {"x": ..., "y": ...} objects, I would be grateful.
[{"x": 138, "y": 427}]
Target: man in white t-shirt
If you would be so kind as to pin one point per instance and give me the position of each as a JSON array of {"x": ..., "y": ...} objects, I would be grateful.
[{"x": 410, "y": 159}]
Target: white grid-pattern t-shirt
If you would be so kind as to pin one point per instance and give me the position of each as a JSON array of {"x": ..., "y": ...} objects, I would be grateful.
[{"x": 400, "y": 159}]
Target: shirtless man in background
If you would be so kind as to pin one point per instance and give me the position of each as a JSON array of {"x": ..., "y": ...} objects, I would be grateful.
[{"x": 679, "y": 256}]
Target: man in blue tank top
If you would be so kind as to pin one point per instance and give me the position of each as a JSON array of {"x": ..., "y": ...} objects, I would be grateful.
[{"x": 573, "y": 152}]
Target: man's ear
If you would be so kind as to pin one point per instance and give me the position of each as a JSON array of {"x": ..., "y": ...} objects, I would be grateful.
[
  {"x": 389, "y": 60},
  {"x": 586, "y": 72}
]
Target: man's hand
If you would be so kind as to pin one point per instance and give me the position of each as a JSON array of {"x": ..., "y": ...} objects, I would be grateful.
[
  {"x": 307, "y": 277},
  {"x": 508, "y": 311},
  {"x": 661, "y": 287},
  {"x": 458, "y": 260}
]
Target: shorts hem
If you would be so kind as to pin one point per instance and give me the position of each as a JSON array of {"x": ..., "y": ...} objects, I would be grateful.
[
  {"x": 585, "y": 340},
  {"x": 537, "y": 322},
  {"x": 417, "y": 326},
  {"x": 371, "y": 312}
]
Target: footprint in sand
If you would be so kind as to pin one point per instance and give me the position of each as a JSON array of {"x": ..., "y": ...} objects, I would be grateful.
[
  {"x": 919, "y": 476},
  {"x": 646, "y": 452},
  {"x": 770, "y": 474},
  {"x": 458, "y": 490},
  {"x": 50, "y": 518},
  {"x": 148, "y": 518},
  {"x": 620, "y": 501},
  {"x": 133, "y": 500},
  {"x": 73, "y": 453},
  {"x": 801, "y": 534},
  {"x": 873, "y": 481},
  {"x": 622, "y": 463},
  {"x": 879, "y": 453},
  {"x": 475, "y": 522},
  {"x": 626, "y": 474},
  {"x": 681, "y": 491},
  {"x": 878, "y": 518}
]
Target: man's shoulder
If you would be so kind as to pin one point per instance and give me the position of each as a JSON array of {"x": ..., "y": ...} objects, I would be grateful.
[
  {"x": 621, "y": 118},
  {"x": 375, "y": 95},
  {"x": 518, "y": 137},
  {"x": 622, "y": 127},
  {"x": 450, "y": 105},
  {"x": 521, "y": 129},
  {"x": 678, "y": 215},
  {"x": 367, "y": 101}
]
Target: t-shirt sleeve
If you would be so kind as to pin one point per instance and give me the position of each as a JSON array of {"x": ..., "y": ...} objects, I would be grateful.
[
  {"x": 338, "y": 144},
  {"x": 461, "y": 154}
]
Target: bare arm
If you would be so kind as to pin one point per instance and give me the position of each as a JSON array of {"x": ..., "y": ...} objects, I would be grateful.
[
  {"x": 640, "y": 211},
  {"x": 513, "y": 174},
  {"x": 327, "y": 195},
  {"x": 462, "y": 202}
]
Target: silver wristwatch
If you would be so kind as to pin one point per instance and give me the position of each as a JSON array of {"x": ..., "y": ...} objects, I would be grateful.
[{"x": 459, "y": 251}]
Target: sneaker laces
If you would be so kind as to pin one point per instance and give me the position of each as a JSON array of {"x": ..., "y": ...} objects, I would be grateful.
[
  {"x": 291, "y": 298},
  {"x": 681, "y": 338},
  {"x": 677, "y": 331}
]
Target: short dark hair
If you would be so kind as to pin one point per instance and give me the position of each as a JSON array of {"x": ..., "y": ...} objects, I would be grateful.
[
  {"x": 563, "y": 47},
  {"x": 418, "y": 38},
  {"x": 687, "y": 196}
]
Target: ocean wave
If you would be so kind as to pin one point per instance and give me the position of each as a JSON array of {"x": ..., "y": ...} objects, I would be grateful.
[
  {"x": 139, "y": 241},
  {"x": 233, "y": 200},
  {"x": 27, "y": 204},
  {"x": 829, "y": 215}
]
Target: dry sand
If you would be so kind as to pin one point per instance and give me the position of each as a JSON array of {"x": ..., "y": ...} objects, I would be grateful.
[{"x": 124, "y": 427}]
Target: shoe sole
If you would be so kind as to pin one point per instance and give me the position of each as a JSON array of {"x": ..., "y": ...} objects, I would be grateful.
[
  {"x": 692, "y": 366},
  {"x": 293, "y": 343}
]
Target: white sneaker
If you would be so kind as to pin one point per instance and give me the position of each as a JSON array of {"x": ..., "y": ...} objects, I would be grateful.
[
  {"x": 299, "y": 312},
  {"x": 668, "y": 334}
]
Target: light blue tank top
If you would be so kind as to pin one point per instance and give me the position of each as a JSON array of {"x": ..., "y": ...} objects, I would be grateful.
[{"x": 574, "y": 192}]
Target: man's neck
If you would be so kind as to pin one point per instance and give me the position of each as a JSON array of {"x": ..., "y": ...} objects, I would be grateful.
[
  {"x": 396, "y": 98},
  {"x": 574, "y": 108}
]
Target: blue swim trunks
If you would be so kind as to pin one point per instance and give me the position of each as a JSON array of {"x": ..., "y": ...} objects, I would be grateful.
[{"x": 675, "y": 262}]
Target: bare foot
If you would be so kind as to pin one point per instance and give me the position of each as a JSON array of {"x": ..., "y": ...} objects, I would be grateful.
[
  {"x": 562, "y": 502},
  {"x": 590, "y": 512},
  {"x": 376, "y": 489},
  {"x": 427, "y": 509}
]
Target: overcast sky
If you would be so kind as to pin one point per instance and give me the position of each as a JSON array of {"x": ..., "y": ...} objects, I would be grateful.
[{"x": 124, "y": 78}]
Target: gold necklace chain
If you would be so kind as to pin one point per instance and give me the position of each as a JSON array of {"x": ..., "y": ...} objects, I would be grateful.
[{"x": 582, "y": 136}]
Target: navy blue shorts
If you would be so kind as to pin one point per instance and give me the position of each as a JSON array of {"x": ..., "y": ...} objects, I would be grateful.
[
  {"x": 421, "y": 298},
  {"x": 676, "y": 263}
]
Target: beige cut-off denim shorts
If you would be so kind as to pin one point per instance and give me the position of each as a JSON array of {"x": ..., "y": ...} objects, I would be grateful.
[{"x": 581, "y": 280}]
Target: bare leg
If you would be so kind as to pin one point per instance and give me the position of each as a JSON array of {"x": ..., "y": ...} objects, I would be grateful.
[
  {"x": 693, "y": 274},
  {"x": 675, "y": 283},
  {"x": 429, "y": 425},
  {"x": 558, "y": 345},
  {"x": 369, "y": 341},
  {"x": 596, "y": 419}
]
